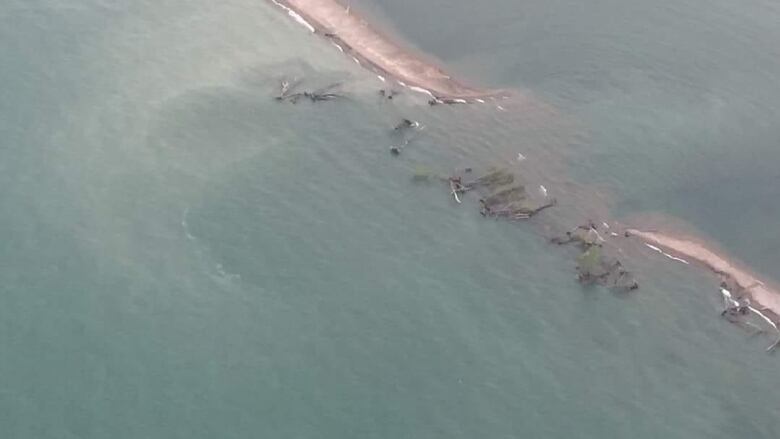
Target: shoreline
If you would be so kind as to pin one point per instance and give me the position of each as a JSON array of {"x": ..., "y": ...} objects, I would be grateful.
[
  {"x": 353, "y": 36},
  {"x": 759, "y": 291},
  {"x": 356, "y": 38}
]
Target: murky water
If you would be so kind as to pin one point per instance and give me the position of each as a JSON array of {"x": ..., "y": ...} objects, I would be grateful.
[{"x": 182, "y": 256}]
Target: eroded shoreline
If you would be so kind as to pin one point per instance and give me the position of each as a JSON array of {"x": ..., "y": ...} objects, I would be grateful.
[{"x": 368, "y": 47}]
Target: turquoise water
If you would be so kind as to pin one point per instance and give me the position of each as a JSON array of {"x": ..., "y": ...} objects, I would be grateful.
[{"x": 184, "y": 257}]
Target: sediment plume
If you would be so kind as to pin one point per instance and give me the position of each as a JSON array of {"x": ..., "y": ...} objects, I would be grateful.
[
  {"x": 760, "y": 292},
  {"x": 369, "y": 48}
]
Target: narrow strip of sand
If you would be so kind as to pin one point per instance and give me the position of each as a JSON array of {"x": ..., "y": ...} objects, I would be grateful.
[
  {"x": 354, "y": 36},
  {"x": 761, "y": 292}
]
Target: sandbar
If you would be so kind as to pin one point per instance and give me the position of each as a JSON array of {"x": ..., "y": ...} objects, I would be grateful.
[
  {"x": 355, "y": 37},
  {"x": 760, "y": 291}
]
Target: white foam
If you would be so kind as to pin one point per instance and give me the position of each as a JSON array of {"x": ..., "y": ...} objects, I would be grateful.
[
  {"x": 421, "y": 90},
  {"x": 481, "y": 101},
  {"x": 459, "y": 101},
  {"x": 728, "y": 299},
  {"x": 520, "y": 157},
  {"x": 381, "y": 78},
  {"x": 295, "y": 16},
  {"x": 675, "y": 258},
  {"x": 300, "y": 20},
  {"x": 672, "y": 257},
  {"x": 543, "y": 190},
  {"x": 357, "y": 61},
  {"x": 500, "y": 108},
  {"x": 763, "y": 316},
  {"x": 338, "y": 47},
  {"x": 401, "y": 83}
]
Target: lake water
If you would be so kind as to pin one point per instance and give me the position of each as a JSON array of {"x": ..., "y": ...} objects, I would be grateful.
[{"x": 184, "y": 257}]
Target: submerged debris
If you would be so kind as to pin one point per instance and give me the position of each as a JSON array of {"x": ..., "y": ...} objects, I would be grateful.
[
  {"x": 396, "y": 149},
  {"x": 593, "y": 266},
  {"x": 585, "y": 235},
  {"x": 513, "y": 210},
  {"x": 406, "y": 124},
  {"x": 287, "y": 88},
  {"x": 403, "y": 128},
  {"x": 503, "y": 196},
  {"x": 738, "y": 310},
  {"x": 456, "y": 188},
  {"x": 492, "y": 180},
  {"x": 388, "y": 94},
  {"x": 505, "y": 199},
  {"x": 425, "y": 175}
]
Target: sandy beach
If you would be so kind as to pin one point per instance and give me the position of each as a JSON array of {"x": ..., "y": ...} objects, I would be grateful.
[
  {"x": 355, "y": 37},
  {"x": 760, "y": 291}
]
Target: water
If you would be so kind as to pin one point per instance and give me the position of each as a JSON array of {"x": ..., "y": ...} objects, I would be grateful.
[
  {"x": 184, "y": 257},
  {"x": 679, "y": 104}
]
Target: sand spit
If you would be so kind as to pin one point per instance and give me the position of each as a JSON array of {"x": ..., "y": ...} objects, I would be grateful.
[
  {"x": 354, "y": 36},
  {"x": 760, "y": 292},
  {"x": 367, "y": 47}
]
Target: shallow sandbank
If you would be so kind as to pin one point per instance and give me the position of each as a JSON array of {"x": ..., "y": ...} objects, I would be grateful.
[
  {"x": 353, "y": 35},
  {"x": 760, "y": 291}
]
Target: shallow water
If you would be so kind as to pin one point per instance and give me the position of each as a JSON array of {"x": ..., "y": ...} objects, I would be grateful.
[
  {"x": 678, "y": 98},
  {"x": 184, "y": 257}
]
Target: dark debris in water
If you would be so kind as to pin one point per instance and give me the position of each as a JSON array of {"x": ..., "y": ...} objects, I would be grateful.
[{"x": 503, "y": 196}]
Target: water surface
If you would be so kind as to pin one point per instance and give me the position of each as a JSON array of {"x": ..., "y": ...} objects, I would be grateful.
[{"x": 183, "y": 257}]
